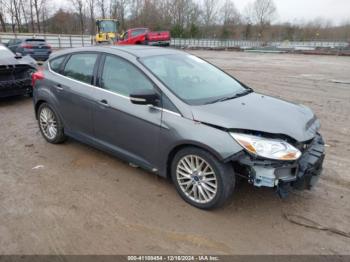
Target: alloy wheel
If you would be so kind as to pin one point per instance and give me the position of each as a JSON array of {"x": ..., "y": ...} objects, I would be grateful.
[
  {"x": 196, "y": 178},
  {"x": 48, "y": 123}
]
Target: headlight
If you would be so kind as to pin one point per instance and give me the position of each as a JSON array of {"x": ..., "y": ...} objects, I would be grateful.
[{"x": 277, "y": 149}]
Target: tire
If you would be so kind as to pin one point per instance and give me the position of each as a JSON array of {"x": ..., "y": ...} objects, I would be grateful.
[
  {"x": 223, "y": 178},
  {"x": 48, "y": 114}
]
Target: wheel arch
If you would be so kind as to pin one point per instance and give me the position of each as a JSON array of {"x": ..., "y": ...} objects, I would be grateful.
[
  {"x": 181, "y": 146},
  {"x": 37, "y": 105},
  {"x": 45, "y": 95}
]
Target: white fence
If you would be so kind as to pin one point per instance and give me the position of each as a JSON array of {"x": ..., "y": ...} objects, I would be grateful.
[
  {"x": 67, "y": 41},
  {"x": 56, "y": 41},
  {"x": 312, "y": 44},
  {"x": 210, "y": 43}
]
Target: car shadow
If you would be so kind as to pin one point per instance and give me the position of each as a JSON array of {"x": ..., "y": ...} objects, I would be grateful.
[{"x": 245, "y": 195}]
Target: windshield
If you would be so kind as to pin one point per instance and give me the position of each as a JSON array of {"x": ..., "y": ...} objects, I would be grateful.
[
  {"x": 108, "y": 26},
  {"x": 5, "y": 53},
  {"x": 192, "y": 79}
]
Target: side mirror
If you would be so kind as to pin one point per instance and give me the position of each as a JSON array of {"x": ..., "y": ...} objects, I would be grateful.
[
  {"x": 18, "y": 55},
  {"x": 144, "y": 97}
]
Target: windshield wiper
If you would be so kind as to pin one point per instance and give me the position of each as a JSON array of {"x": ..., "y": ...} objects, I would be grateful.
[{"x": 245, "y": 92}]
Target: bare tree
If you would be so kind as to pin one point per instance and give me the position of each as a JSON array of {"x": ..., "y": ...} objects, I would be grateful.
[
  {"x": 9, "y": 5},
  {"x": 32, "y": 15},
  {"x": 210, "y": 12},
  {"x": 181, "y": 15},
  {"x": 119, "y": 9},
  {"x": 24, "y": 13},
  {"x": 229, "y": 13},
  {"x": 177, "y": 11},
  {"x": 44, "y": 15},
  {"x": 17, "y": 14},
  {"x": 80, "y": 9},
  {"x": 103, "y": 7},
  {"x": 230, "y": 17},
  {"x": 2, "y": 16},
  {"x": 91, "y": 8},
  {"x": 37, "y": 5},
  {"x": 135, "y": 10},
  {"x": 263, "y": 12},
  {"x": 150, "y": 14}
]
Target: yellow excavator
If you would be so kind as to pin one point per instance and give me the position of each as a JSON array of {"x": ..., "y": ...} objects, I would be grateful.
[{"x": 107, "y": 31}]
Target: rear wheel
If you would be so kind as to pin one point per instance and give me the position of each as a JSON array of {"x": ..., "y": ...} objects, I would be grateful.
[
  {"x": 50, "y": 124},
  {"x": 201, "y": 179}
]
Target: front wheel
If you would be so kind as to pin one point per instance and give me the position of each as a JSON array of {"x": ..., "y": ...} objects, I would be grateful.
[{"x": 201, "y": 179}]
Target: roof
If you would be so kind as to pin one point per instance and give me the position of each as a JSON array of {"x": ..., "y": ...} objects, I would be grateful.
[
  {"x": 135, "y": 50},
  {"x": 144, "y": 51}
]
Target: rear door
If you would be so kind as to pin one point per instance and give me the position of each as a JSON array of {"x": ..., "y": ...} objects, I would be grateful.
[
  {"x": 130, "y": 130},
  {"x": 75, "y": 93}
]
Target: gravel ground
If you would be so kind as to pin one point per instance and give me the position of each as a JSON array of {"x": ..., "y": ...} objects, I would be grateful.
[{"x": 73, "y": 199}]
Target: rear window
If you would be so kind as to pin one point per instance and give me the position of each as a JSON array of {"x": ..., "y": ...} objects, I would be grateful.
[{"x": 35, "y": 40}]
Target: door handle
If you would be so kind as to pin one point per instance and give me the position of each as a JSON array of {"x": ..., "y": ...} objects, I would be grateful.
[
  {"x": 104, "y": 103},
  {"x": 59, "y": 87}
]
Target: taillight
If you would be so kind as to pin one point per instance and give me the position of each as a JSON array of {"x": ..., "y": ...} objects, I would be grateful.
[
  {"x": 39, "y": 75},
  {"x": 48, "y": 46},
  {"x": 26, "y": 46}
]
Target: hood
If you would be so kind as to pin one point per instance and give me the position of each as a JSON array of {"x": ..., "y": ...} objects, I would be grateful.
[{"x": 262, "y": 113}]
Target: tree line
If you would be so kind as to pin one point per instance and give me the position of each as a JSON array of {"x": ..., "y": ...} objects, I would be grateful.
[{"x": 184, "y": 18}]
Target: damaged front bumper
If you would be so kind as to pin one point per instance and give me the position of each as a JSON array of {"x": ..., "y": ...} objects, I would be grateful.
[
  {"x": 15, "y": 87},
  {"x": 301, "y": 174},
  {"x": 15, "y": 80}
]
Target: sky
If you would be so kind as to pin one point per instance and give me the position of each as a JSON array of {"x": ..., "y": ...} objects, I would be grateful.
[{"x": 337, "y": 11}]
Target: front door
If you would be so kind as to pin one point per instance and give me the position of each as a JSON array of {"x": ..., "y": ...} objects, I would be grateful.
[{"x": 125, "y": 128}]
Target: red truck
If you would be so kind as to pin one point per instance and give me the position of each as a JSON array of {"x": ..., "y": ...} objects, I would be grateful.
[{"x": 143, "y": 36}]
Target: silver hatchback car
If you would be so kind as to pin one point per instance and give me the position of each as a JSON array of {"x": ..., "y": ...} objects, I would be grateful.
[{"x": 178, "y": 116}]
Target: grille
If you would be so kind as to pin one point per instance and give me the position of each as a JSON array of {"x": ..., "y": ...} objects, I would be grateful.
[{"x": 15, "y": 76}]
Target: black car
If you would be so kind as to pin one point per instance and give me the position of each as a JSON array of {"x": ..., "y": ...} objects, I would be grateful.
[
  {"x": 15, "y": 73},
  {"x": 36, "y": 48}
]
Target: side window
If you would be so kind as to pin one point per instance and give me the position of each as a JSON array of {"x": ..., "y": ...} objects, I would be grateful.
[
  {"x": 55, "y": 64},
  {"x": 81, "y": 67},
  {"x": 123, "y": 78},
  {"x": 137, "y": 32}
]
